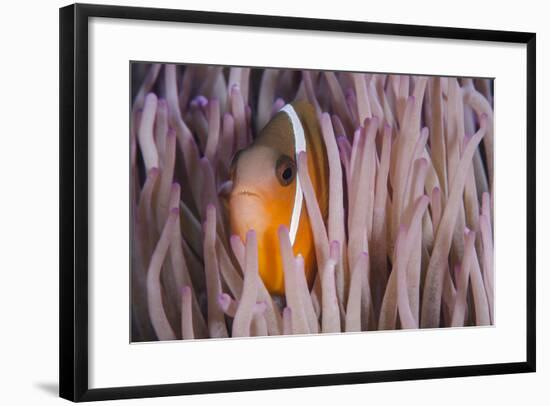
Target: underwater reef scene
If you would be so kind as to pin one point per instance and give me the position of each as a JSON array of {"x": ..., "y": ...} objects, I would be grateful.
[{"x": 277, "y": 202}]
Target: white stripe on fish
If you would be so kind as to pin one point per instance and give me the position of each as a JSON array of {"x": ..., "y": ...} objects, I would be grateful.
[{"x": 299, "y": 146}]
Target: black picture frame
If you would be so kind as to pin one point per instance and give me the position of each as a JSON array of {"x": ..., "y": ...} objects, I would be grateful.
[{"x": 73, "y": 277}]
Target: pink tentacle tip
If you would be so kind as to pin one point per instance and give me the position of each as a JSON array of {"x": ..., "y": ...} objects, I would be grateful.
[
  {"x": 199, "y": 101},
  {"x": 210, "y": 207},
  {"x": 250, "y": 234},
  {"x": 224, "y": 301},
  {"x": 260, "y": 308},
  {"x": 411, "y": 99},
  {"x": 235, "y": 238},
  {"x": 372, "y": 121},
  {"x": 150, "y": 98},
  {"x": 175, "y": 211},
  {"x": 205, "y": 164},
  {"x": 175, "y": 187},
  {"x": 283, "y": 229},
  {"x": 235, "y": 88},
  {"x": 154, "y": 171},
  {"x": 186, "y": 291},
  {"x": 299, "y": 262},
  {"x": 162, "y": 103},
  {"x": 424, "y": 199}
]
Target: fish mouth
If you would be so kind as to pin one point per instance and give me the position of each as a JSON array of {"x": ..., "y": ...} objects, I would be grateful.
[
  {"x": 247, "y": 210},
  {"x": 247, "y": 193}
]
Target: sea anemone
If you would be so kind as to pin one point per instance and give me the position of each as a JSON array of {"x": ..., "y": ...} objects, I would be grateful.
[{"x": 408, "y": 242}]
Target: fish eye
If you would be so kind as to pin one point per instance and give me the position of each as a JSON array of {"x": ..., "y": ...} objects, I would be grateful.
[
  {"x": 287, "y": 174},
  {"x": 285, "y": 170}
]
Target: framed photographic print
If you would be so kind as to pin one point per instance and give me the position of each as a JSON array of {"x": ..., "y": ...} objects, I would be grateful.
[{"x": 256, "y": 202}]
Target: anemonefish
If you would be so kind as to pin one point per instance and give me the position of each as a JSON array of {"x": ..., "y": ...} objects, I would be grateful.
[{"x": 267, "y": 192}]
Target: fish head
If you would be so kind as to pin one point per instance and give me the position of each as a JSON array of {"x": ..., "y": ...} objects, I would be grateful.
[{"x": 264, "y": 184}]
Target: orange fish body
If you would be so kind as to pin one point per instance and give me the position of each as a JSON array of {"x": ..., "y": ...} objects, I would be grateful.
[{"x": 266, "y": 192}]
